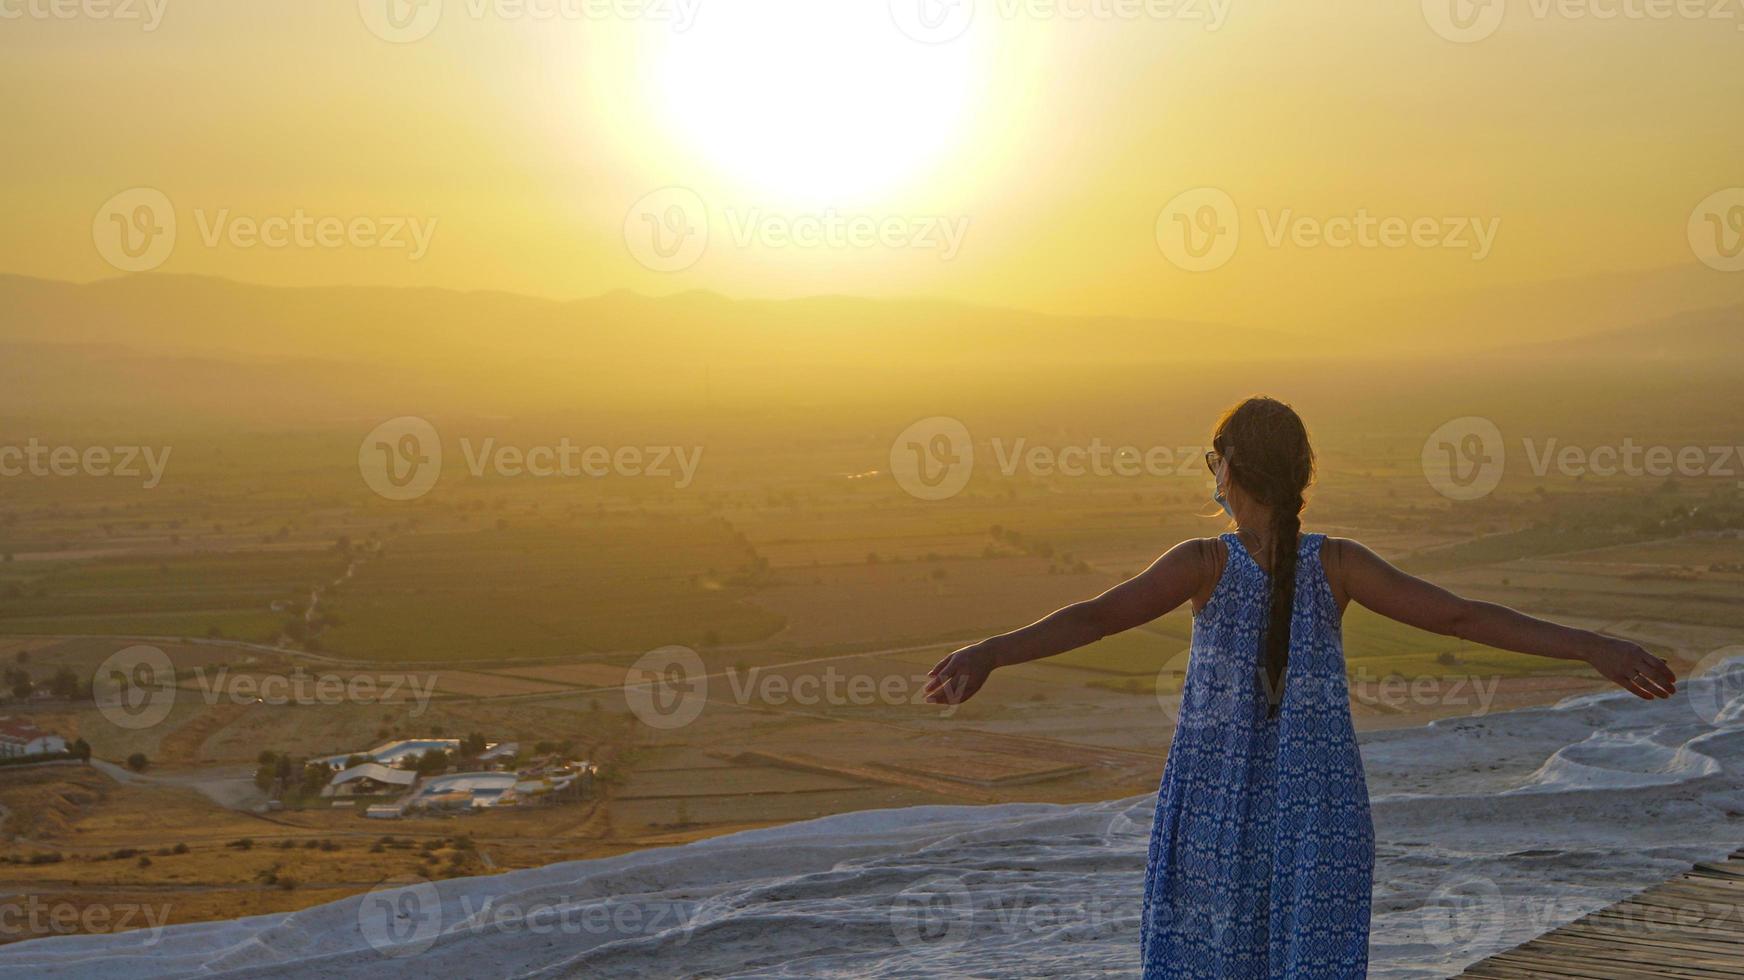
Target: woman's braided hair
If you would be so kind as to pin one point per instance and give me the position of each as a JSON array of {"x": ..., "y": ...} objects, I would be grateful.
[{"x": 1267, "y": 447}]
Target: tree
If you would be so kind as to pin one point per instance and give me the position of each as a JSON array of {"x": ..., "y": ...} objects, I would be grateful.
[
  {"x": 81, "y": 750},
  {"x": 315, "y": 777},
  {"x": 137, "y": 762},
  {"x": 282, "y": 771},
  {"x": 433, "y": 762},
  {"x": 18, "y": 682},
  {"x": 66, "y": 684}
]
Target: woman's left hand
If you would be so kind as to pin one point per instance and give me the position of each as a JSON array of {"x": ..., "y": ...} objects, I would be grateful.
[{"x": 1633, "y": 669}]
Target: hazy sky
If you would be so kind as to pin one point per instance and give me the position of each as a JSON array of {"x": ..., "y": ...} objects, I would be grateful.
[{"x": 1025, "y": 161}]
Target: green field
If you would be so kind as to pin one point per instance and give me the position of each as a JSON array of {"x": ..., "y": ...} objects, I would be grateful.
[
  {"x": 550, "y": 591},
  {"x": 789, "y": 558},
  {"x": 174, "y": 593}
]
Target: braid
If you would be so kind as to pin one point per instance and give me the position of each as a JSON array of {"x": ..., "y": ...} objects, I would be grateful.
[
  {"x": 1286, "y": 528},
  {"x": 1269, "y": 456}
]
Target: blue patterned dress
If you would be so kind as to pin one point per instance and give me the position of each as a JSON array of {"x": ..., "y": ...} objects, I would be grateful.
[{"x": 1262, "y": 854}]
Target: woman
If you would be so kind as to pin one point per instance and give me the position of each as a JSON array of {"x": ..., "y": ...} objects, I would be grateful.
[{"x": 1262, "y": 854}]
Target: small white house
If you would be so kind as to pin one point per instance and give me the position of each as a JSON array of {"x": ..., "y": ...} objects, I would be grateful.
[
  {"x": 20, "y": 738},
  {"x": 369, "y": 779},
  {"x": 500, "y": 754}
]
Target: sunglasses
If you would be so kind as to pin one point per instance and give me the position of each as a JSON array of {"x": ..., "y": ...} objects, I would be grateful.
[{"x": 1213, "y": 459}]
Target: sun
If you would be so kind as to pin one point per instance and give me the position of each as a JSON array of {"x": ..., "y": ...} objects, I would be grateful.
[{"x": 814, "y": 100}]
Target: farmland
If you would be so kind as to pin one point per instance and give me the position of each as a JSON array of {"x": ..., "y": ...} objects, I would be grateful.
[{"x": 813, "y": 597}]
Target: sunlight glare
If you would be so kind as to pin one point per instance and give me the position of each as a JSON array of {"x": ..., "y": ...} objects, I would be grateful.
[{"x": 814, "y": 100}]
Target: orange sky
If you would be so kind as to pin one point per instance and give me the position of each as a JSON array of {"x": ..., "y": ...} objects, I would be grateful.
[{"x": 1029, "y": 161}]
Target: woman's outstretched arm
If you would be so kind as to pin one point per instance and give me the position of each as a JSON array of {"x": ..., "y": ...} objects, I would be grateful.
[
  {"x": 1171, "y": 580},
  {"x": 1372, "y": 581}
]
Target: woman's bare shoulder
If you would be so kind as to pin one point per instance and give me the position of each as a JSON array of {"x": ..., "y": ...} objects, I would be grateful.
[
  {"x": 1199, "y": 547},
  {"x": 1210, "y": 551},
  {"x": 1211, "y": 555},
  {"x": 1338, "y": 554},
  {"x": 1344, "y": 548}
]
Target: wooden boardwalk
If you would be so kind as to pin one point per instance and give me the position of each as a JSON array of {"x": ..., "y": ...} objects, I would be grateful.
[{"x": 1690, "y": 926}]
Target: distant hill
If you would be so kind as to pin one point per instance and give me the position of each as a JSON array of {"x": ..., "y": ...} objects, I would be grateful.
[
  {"x": 194, "y": 348},
  {"x": 1699, "y": 336},
  {"x": 1558, "y": 309},
  {"x": 195, "y": 345},
  {"x": 187, "y": 314}
]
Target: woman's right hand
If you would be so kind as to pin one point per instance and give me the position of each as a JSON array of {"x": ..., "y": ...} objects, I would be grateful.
[{"x": 956, "y": 678}]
